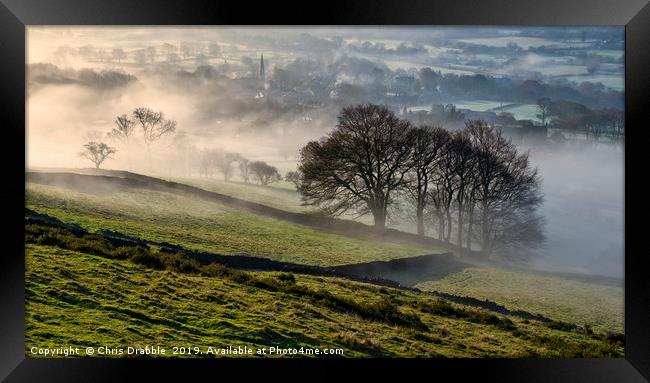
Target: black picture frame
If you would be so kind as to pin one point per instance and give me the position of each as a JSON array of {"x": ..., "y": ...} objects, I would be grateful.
[{"x": 15, "y": 15}]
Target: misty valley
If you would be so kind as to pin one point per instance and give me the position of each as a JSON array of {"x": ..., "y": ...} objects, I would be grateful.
[{"x": 387, "y": 192}]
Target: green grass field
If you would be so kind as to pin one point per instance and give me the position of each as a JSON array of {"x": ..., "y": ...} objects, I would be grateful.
[
  {"x": 594, "y": 304},
  {"x": 80, "y": 300},
  {"x": 208, "y": 226},
  {"x": 280, "y": 195}
]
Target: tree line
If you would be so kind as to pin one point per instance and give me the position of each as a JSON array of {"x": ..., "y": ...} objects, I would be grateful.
[
  {"x": 213, "y": 161},
  {"x": 470, "y": 187},
  {"x": 575, "y": 118}
]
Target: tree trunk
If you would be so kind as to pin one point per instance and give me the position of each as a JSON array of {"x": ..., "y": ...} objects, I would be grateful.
[
  {"x": 448, "y": 236},
  {"x": 380, "y": 220},
  {"x": 460, "y": 225},
  {"x": 470, "y": 223},
  {"x": 484, "y": 230},
  {"x": 420, "y": 219}
]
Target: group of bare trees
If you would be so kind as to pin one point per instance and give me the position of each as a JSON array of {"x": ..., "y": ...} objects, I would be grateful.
[
  {"x": 574, "y": 119},
  {"x": 471, "y": 186},
  {"x": 144, "y": 123},
  {"x": 214, "y": 161},
  {"x": 146, "y": 127}
]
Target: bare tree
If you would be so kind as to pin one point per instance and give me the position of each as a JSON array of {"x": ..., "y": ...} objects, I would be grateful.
[
  {"x": 205, "y": 162},
  {"x": 543, "y": 109},
  {"x": 168, "y": 49},
  {"x": 214, "y": 50},
  {"x": 118, "y": 54},
  {"x": 463, "y": 163},
  {"x": 124, "y": 133},
  {"x": 153, "y": 125},
  {"x": 359, "y": 165},
  {"x": 97, "y": 152},
  {"x": 442, "y": 192},
  {"x": 187, "y": 49},
  {"x": 506, "y": 190},
  {"x": 294, "y": 177},
  {"x": 244, "y": 168},
  {"x": 264, "y": 172},
  {"x": 428, "y": 144},
  {"x": 224, "y": 162},
  {"x": 140, "y": 56}
]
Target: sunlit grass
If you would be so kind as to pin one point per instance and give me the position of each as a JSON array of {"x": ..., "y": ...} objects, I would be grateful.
[
  {"x": 209, "y": 226},
  {"x": 76, "y": 299},
  {"x": 594, "y": 304}
]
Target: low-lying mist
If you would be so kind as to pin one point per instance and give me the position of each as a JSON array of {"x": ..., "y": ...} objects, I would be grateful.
[
  {"x": 62, "y": 117},
  {"x": 584, "y": 207}
]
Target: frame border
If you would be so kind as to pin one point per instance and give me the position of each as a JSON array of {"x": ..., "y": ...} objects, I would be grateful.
[{"x": 16, "y": 15}]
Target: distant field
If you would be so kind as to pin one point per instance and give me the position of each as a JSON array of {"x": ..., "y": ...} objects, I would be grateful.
[
  {"x": 613, "y": 81},
  {"x": 478, "y": 105},
  {"x": 82, "y": 300},
  {"x": 524, "y": 42},
  {"x": 520, "y": 111},
  {"x": 209, "y": 226},
  {"x": 598, "y": 305}
]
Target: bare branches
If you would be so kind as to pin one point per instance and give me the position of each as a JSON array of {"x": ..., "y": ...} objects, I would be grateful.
[
  {"x": 152, "y": 124},
  {"x": 124, "y": 130},
  {"x": 360, "y": 164},
  {"x": 472, "y": 178},
  {"x": 97, "y": 152}
]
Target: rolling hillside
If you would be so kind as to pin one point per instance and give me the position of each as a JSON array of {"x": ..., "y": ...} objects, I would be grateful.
[
  {"x": 204, "y": 225},
  {"x": 85, "y": 300}
]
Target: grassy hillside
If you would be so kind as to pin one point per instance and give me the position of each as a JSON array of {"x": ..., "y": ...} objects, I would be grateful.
[
  {"x": 280, "y": 195},
  {"x": 208, "y": 226},
  {"x": 592, "y": 303},
  {"x": 78, "y": 299}
]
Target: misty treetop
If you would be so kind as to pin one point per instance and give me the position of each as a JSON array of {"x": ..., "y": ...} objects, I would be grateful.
[{"x": 473, "y": 181}]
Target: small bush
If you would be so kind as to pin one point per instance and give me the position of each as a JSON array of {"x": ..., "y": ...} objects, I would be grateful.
[
  {"x": 443, "y": 308},
  {"x": 179, "y": 263},
  {"x": 567, "y": 349},
  {"x": 562, "y": 326},
  {"x": 288, "y": 278},
  {"x": 147, "y": 260},
  {"x": 615, "y": 338},
  {"x": 356, "y": 341}
]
